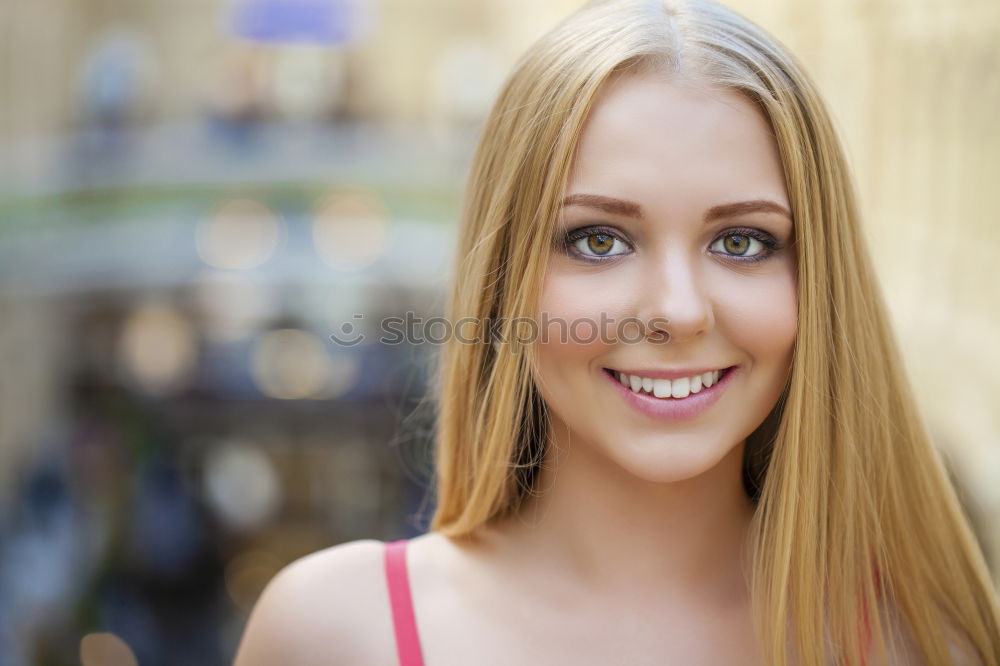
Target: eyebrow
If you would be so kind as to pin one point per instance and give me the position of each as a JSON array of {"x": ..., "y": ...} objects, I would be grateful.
[{"x": 632, "y": 209}]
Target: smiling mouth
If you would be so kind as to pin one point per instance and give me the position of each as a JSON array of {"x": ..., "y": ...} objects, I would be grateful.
[{"x": 669, "y": 388}]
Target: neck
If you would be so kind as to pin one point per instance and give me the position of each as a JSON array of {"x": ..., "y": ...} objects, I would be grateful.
[{"x": 619, "y": 536}]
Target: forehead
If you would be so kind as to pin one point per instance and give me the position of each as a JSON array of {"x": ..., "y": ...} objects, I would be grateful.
[{"x": 648, "y": 137}]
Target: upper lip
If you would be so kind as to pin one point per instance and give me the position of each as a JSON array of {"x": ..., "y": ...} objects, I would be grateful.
[{"x": 669, "y": 374}]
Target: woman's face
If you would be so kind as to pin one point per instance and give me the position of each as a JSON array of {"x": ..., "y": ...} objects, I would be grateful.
[{"x": 676, "y": 216}]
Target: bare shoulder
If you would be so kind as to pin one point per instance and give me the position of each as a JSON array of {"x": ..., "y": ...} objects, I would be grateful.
[{"x": 329, "y": 607}]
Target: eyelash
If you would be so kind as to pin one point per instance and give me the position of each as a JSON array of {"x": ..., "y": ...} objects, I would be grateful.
[{"x": 771, "y": 245}]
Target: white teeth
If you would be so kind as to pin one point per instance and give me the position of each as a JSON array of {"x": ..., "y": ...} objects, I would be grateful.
[
  {"x": 695, "y": 383},
  {"x": 666, "y": 388}
]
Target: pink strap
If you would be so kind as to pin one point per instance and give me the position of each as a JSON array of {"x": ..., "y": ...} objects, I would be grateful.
[
  {"x": 867, "y": 621},
  {"x": 403, "y": 621}
]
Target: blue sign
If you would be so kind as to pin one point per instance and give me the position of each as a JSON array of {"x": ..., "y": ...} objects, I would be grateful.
[{"x": 309, "y": 21}]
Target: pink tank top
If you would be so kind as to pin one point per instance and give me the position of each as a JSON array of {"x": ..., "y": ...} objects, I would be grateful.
[{"x": 404, "y": 621}]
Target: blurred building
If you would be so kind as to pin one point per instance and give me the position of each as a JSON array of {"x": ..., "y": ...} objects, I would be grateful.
[{"x": 199, "y": 196}]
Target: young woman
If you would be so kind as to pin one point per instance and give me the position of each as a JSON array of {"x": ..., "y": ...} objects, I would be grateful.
[{"x": 684, "y": 435}]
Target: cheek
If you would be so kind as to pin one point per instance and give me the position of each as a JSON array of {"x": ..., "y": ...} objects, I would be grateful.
[
  {"x": 579, "y": 311},
  {"x": 572, "y": 294},
  {"x": 571, "y": 311},
  {"x": 761, "y": 316}
]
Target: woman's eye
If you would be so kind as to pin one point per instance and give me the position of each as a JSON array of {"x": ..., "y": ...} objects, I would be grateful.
[
  {"x": 742, "y": 244},
  {"x": 745, "y": 245},
  {"x": 596, "y": 244}
]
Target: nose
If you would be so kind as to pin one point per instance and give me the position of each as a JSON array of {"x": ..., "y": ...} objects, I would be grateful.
[{"x": 674, "y": 301}]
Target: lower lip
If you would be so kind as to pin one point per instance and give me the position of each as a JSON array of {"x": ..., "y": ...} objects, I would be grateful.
[{"x": 673, "y": 409}]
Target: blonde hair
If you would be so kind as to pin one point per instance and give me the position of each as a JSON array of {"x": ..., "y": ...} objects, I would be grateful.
[{"x": 853, "y": 502}]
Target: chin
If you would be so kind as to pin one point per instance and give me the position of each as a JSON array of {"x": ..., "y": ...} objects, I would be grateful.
[{"x": 670, "y": 458}]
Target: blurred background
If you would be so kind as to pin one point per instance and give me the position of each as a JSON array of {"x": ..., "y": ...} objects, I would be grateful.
[{"x": 195, "y": 194}]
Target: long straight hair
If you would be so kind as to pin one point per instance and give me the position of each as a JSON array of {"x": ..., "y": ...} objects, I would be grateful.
[{"x": 854, "y": 508}]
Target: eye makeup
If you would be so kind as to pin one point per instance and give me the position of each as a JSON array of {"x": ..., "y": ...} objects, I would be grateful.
[
  {"x": 569, "y": 244},
  {"x": 769, "y": 244},
  {"x": 570, "y": 241}
]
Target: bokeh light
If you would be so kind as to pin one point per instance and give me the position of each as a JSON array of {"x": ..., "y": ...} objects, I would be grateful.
[
  {"x": 350, "y": 228},
  {"x": 239, "y": 234},
  {"x": 307, "y": 80},
  {"x": 291, "y": 364},
  {"x": 231, "y": 305},
  {"x": 157, "y": 347},
  {"x": 241, "y": 484}
]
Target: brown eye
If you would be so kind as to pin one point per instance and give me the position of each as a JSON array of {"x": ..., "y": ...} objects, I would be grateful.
[
  {"x": 745, "y": 245},
  {"x": 736, "y": 244},
  {"x": 595, "y": 243},
  {"x": 600, "y": 243}
]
